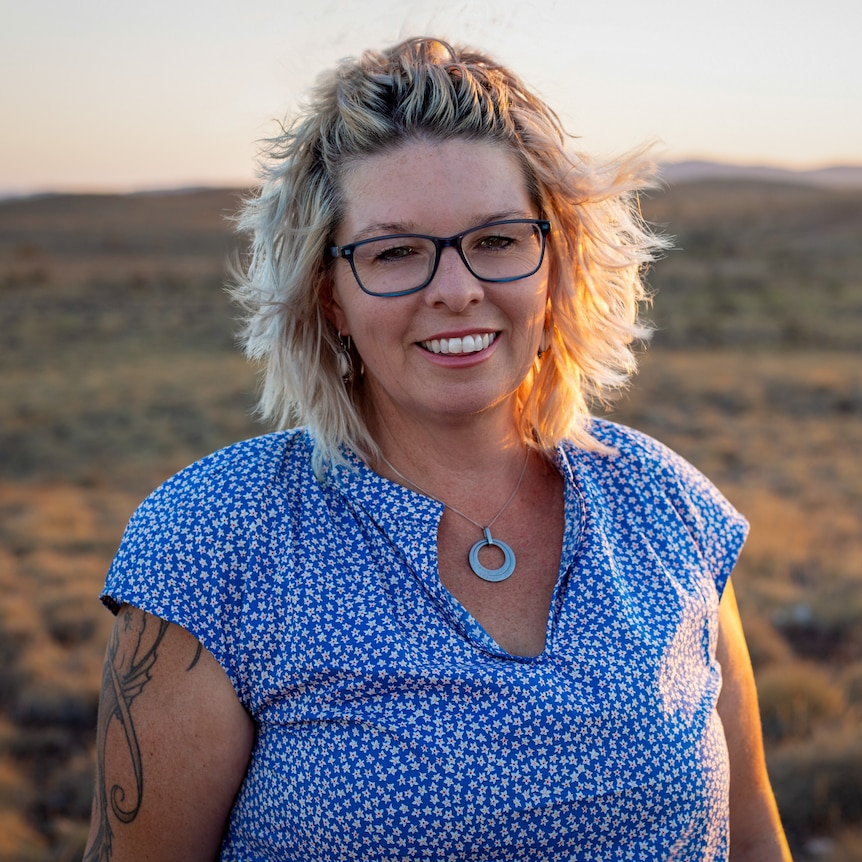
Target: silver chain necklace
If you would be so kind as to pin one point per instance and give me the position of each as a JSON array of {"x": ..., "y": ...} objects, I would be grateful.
[{"x": 486, "y": 574}]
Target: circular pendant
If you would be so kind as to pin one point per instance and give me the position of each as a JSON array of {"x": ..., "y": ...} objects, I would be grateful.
[{"x": 492, "y": 575}]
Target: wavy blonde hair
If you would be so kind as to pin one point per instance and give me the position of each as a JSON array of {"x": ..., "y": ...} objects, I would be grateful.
[{"x": 425, "y": 89}]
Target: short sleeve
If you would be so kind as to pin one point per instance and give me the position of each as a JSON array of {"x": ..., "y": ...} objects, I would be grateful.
[
  {"x": 192, "y": 549},
  {"x": 716, "y": 528}
]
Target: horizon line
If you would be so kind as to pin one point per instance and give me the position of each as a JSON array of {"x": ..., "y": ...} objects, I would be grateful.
[{"x": 716, "y": 166}]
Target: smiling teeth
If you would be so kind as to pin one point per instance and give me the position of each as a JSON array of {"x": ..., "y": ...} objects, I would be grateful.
[{"x": 467, "y": 344}]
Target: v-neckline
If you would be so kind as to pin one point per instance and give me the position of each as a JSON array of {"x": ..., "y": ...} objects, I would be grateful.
[{"x": 413, "y": 540}]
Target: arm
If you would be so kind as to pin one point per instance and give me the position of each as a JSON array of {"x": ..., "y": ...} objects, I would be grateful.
[
  {"x": 756, "y": 834},
  {"x": 173, "y": 745}
]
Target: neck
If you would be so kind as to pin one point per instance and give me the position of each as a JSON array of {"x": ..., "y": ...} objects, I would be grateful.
[
  {"x": 470, "y": 466},
  {"x": 477, "y": 445}
]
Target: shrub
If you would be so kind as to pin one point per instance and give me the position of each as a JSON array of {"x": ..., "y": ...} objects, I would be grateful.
[
  {"x": 817, "y": 785},
  {"x": 39, "y": 705},
  {"x": 794, "y": 698},
  {"x": 19, "y": 841},
  {"x": 70, "y": 621},
  {"x": 851, "y": 679},
  {"x": 765, "y": 644},
  {"x": 846, "y": 846}
]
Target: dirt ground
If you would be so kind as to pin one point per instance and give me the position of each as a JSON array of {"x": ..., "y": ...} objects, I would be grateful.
[{"x": 118, "y": 367}]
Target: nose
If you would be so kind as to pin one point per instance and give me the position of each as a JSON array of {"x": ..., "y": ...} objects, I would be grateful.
[{"x": 453, "y": 284}]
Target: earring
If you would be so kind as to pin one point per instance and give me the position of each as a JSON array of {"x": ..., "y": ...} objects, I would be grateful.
[
  {"x": 545, "y": 343},
  {"x": 344, "y": 359}
]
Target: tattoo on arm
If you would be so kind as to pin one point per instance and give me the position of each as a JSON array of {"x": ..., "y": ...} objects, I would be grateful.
[
  {"x": 128, "y": 669},
  {"x": 196, "y": 659}
]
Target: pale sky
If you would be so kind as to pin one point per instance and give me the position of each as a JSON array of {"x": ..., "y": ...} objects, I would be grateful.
[{"x": 113, "y": 95}]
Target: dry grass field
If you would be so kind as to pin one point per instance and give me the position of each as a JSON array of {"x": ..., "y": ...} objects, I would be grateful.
[{"x": 118, "y": 366}]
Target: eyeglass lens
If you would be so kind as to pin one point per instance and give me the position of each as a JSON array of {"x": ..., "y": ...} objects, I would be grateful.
[{"x": 496, "y": 252}]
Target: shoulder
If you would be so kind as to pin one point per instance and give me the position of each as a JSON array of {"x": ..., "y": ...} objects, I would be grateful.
[
  {"x": 645, "y": 484},
  {"x": 636, "y": 461},
  {"x": 198, "y": 551},
  {"x": 240, "y": 476},
  {"x": 255, "y": 463},
  {"x": 230, "y": 505},
  {"x": 630, "y": 452}
]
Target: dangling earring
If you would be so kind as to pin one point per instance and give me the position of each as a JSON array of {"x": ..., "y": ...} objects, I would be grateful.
[
  {"x": 344, "y": 359},
  {"x": 545, "y": 343}
]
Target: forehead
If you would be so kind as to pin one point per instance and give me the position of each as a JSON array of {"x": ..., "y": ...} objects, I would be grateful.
[{"x": 431, "y": 186}]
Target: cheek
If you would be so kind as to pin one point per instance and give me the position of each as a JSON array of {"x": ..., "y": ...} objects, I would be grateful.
[{"x": 368, "y": 320}]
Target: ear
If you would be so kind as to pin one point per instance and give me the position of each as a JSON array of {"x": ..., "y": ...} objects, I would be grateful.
[{"x": 332, "y": 308}]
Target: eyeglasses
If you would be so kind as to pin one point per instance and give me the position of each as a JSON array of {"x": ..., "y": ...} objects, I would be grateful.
[{"x": 402, "y": 263}]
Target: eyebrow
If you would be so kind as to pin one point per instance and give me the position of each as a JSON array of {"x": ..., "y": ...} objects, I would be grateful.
[{"x": 410, "y": 228}]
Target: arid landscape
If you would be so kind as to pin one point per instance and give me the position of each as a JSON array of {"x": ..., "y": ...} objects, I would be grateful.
[{"x": 118, "y": 366}]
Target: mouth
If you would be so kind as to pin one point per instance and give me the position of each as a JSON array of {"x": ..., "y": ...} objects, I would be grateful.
[{"x": 460, "y": 346}]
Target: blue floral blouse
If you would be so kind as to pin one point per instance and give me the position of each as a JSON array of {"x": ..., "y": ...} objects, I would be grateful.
[{"x": 389, "y": 724}]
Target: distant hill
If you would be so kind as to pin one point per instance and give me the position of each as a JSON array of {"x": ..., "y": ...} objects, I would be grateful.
[
  {"x": 835, "y": 176},
  {"x": 673, "y": 173}
]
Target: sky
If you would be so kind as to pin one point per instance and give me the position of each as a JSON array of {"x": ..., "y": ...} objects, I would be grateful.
[{"x": 109, "y": 95}]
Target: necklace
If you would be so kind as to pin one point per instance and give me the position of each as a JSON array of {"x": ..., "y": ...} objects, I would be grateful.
[{"x": 486, "y": 574}]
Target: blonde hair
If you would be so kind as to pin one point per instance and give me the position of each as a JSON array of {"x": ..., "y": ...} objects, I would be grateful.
[{"x": 425, "y": 89}]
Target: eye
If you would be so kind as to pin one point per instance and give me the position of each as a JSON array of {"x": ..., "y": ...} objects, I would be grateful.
[
  {"x": 497, "y": 241},
  {"x": 394, "y": 254},
  {"x": 393, "y": 250},
  {"x": 494, "y": 242}
]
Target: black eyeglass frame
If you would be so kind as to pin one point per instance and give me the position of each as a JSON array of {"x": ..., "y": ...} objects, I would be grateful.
[{"x": 346, "y": 251}]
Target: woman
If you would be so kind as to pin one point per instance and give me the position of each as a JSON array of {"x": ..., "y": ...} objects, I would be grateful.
[{"x": 448, "y": 615}]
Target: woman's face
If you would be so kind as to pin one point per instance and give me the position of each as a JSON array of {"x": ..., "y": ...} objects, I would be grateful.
[{"x": 460, "y": 346}]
